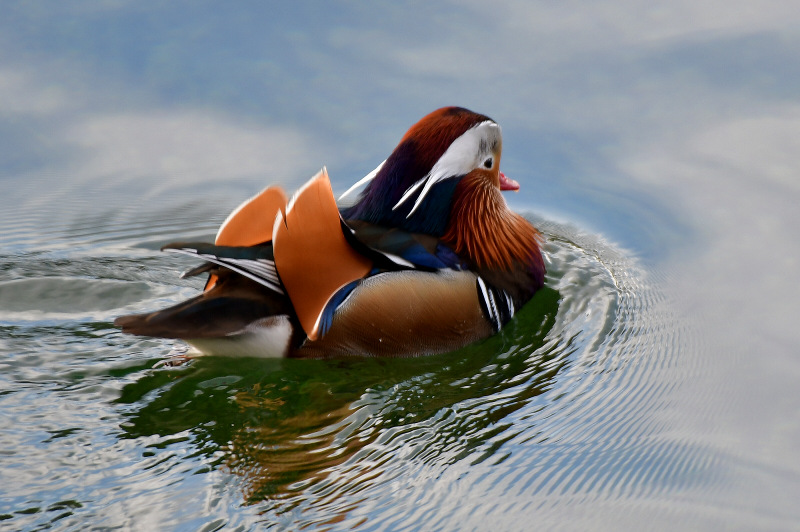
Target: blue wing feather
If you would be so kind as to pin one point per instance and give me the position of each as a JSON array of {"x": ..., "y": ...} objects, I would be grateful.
[{"x": 414, "y": 250}]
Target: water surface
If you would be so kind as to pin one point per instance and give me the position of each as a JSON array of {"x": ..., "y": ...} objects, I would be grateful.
[{"x": 652, "y": 384}]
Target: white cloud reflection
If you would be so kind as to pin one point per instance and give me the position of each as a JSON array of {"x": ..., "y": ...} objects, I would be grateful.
[
  {"x": 586, "y": 25},
  {"x": 187, "y": 146},
  {"x": 693, "y": 106},
  {"x": 737, "y": 182},
  {"x": 21, "y": 96},
  {"x": 75, "y": 138}
]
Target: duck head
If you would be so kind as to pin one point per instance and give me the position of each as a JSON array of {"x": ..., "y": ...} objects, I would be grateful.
[{"x": 413, "y": 188}]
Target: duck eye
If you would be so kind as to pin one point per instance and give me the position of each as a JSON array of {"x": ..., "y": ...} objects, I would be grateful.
[{"x": 488, "y": 163}]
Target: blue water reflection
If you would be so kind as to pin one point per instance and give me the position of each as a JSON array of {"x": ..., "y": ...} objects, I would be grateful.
[{"x": 670, "y": 135}]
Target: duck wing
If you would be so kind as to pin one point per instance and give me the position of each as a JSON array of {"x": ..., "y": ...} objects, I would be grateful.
[
  {"x": 229, "y": 308},
  {"x": 393, "y": 248}
]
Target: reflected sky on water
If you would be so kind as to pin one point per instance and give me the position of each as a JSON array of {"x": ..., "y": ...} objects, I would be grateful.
[{"x": 672, "y": 131}]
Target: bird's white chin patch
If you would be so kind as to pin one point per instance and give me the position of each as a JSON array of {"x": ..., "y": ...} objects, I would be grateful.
[{"x": 265, "y": 338}]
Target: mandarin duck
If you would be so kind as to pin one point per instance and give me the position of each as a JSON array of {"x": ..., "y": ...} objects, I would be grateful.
[{"x": 427, "y": 259}]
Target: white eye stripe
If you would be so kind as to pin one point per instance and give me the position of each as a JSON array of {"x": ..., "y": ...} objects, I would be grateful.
[{"x": 459, "y": 159}]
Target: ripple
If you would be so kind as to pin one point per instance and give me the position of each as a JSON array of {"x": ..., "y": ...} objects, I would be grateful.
[
  {"x": 63, "y": 297},
  {"x": 570, "y": 414},
  {"x": 566, "y": 404}
]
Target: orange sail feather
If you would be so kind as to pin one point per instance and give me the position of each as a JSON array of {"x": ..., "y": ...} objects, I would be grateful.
[
  {"x": 312, "y": 256},
  {"x": 252, "y": 222}
]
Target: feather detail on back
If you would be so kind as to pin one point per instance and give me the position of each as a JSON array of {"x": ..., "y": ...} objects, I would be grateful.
[
  {"x": 392, "y": 248},
  {"x": 254, "y": 262},
  {"x": 251, "y": 222},
  {"x": 312, "y": 255},
  {"x": 364, "y": 180},
  {"x": 229, "y": 307}
]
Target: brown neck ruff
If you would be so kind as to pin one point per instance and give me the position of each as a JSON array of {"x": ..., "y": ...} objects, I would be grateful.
[{"x": 485, "y": 231}]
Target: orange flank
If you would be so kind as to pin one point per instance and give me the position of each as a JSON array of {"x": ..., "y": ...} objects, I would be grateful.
[{"x": 311, "y": 253}]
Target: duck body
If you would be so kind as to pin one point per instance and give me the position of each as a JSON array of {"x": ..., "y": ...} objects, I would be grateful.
[{"x": 428, "y": 258}]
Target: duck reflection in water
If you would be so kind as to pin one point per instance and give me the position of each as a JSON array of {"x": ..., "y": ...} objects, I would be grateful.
[{"x": 285, "y": 427}]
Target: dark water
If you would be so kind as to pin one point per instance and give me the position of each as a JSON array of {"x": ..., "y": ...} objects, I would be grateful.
[{"x": 651, "y": 386}]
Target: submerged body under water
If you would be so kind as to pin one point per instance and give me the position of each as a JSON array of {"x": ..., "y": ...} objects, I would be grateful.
[{"x": 561, "y": 406}]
